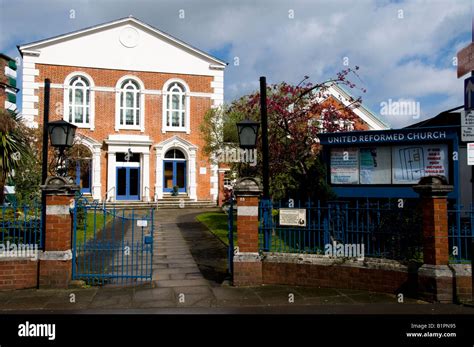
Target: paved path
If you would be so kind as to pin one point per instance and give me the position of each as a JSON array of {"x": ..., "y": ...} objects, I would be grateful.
[{"x": 176, "y": 274}]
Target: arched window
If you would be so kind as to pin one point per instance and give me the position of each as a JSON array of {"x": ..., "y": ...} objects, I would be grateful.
[
  {"x": 129, "y": 103},
  {"x": 175, "y": 106},
  {"x": 174, "y": 154},
  {"x": 79, "y": 101}
]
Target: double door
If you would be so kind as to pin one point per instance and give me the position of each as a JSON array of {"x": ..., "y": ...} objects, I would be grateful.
[
  {"x": 174, "y": 175},
  {"x": 128, "y": 183}
]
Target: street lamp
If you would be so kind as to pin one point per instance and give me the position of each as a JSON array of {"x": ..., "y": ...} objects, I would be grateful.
[
  {"x": 248, "y": 131},
  {"x": 61, "y": 134}
]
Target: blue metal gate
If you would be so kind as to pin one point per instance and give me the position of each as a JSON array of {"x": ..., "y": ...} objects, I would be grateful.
[{"x": 112, "y": 246}]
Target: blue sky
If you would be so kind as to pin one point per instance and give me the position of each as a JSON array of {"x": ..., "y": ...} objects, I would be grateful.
[{"x": 404, "y": 49}]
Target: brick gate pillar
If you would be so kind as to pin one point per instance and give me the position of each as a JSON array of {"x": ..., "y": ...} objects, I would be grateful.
[
  {"x": 56, "y": 259},
  {"x": 435, "y": 278},
  {"x": 247, "y": 261}
]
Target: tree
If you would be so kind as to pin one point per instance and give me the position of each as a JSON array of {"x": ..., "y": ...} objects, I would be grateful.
[
  {"x": 296, "y": 114},
  {"x": 15, "y": 150}
]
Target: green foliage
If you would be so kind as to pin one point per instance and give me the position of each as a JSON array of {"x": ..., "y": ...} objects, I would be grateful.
[
  {"x": 16, "y": 150},
  {"x": 217, "y": 223}
]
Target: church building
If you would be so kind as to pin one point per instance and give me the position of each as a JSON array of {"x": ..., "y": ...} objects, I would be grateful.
[{"x": 137, "y": 96}]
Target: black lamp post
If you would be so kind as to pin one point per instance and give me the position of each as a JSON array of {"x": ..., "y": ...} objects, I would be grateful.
[
  {"x": 248, "y": 131},
  {"x": 61, "y": 134}
]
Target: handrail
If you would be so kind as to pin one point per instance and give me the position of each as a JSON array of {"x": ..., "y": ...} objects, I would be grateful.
[
  {"x": 106, "y": 197},
  {"x": 147, "y": 196}
]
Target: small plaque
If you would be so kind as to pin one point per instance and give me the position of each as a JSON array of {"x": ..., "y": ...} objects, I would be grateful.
[
  {"x": 142, "y": 223},
  {"x": 293, "y": 216}
]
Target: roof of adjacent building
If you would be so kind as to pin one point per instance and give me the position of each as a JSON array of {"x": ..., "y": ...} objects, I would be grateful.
[
  {"x": 343, "y": 96},
  {"x": 6, "y": 57},
  {"x": 445, "y": 118}
]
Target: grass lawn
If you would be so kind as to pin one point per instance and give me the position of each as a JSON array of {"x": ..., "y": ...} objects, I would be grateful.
[
  {"x": 99, "y": 220},
  {"x": 216, "y": 222}
]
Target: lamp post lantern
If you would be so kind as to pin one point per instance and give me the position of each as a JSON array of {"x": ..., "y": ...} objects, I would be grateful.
[
  {"x": 61, "y": 134},
  {"x": 248, "y": 131}
]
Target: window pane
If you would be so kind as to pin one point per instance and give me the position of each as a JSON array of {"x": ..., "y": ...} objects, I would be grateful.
[
  {"x": 134, "y": 181},
  {"x": 70, "y": 96},
  {"x": 87, "y": 96},
  {"x": 87, "y": 115},
  {"x": 78, "y": 98},
  {"x": 182, "y": 119},
  {"x": 137, "y": 102},
  {"x": 129, "y": 99},
  {"x": 175, "y": 119},
  {"x": 168, "y": 113},
  {"x": 175, "y": 104},
  {"x": 137, "y": 117},
  {"x": 128, "y": 117},
  {"x": 78, "y": 114},
  {"x": 121, "y": 117},
  {"x": 70, "y": 113}
]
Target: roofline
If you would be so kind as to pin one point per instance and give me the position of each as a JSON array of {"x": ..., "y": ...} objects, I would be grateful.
[
  {"x": 369, "y": 114},
  {"x": 107, "y": 24},
  {"x": 2, "y": 55},
  {"x": 421, "y": 123}
]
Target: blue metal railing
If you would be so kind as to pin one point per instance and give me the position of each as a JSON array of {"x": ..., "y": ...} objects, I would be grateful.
[
  {"x": 112, "y": 246},
  {"x": 460, "y": 233},
  {"x": 383, "y": 228},
  {"x": 20, "y": 224}
]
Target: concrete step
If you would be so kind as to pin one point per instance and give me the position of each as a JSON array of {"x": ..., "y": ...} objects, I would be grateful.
[{"x": 161, "y": 204}]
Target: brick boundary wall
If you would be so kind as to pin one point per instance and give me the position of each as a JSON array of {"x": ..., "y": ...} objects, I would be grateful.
[
  {"x": 379, "y": 275},
  {"x": 18, "y": 273},
  {"x": 435, "y": 280},
  {"x": 54, "y": 263}
]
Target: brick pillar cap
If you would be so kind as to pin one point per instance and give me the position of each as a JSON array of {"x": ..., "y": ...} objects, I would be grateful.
[
  {"x": 247, "y": 186},
  {"x": 60, "y": 185},
  {"x": 433, "y": 186}
]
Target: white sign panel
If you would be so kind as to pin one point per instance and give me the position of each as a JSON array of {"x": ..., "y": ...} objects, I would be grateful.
[
  {"x": 467, "y": 126},
  {"x": 375, "y": 165},
  {"x": 345, "y": 166},
  {"x": 410, "y": 163},
  {"x": 142, "y": 223},
  {"x": 293, "y": 216},
  {"x": 470, "y": 154}
]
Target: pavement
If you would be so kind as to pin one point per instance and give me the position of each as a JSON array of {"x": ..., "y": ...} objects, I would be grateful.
[{"x": 189, "y": 266}]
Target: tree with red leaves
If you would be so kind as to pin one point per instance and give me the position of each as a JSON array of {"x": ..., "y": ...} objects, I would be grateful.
[{"x": 296, "y": 114}]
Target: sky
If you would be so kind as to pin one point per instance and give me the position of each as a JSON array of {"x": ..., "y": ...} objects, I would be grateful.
[{"x": 405, "y": 50}]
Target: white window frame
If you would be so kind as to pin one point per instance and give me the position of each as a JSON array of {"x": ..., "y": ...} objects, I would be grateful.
[
  {"x": 187, "y": 100},
  {"x": 91, "y": 106},
  {"x": 141, "y": 110}
]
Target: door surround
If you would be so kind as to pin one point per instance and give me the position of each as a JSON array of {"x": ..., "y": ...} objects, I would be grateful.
[
  {"x": 121, "y": 144},
  {"x": 189, "y": 151}
]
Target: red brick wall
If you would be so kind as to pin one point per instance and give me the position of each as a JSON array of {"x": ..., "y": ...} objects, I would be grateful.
[
  {"x": 18, "y": 274},
  {"x": 3, "y": 97},
  {"x": 345, "y": 277},
  {"x": 105, "y": 113},
  {"x": 3, "y": 77},
  {"x": 435, "y": 231},
  {"x": 463, "y": 287}
]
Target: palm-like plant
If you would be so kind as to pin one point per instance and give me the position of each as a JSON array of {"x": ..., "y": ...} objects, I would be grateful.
[{"x": 14, "y": 146}]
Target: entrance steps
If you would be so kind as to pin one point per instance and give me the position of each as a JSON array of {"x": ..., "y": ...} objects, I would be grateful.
[{"x": 165, "y": 203}]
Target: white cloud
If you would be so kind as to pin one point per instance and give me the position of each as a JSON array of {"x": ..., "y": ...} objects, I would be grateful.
[{"x": 270, "y": 43}]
